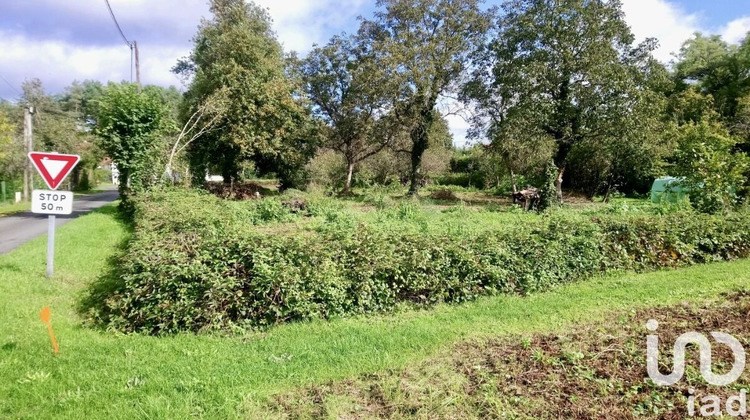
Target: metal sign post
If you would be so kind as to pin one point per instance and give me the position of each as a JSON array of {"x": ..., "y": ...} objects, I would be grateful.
[
  {"x": 50, "y": 245},
  {"x": 51, "y": 203},
  {"x": 53, "y": 168}
]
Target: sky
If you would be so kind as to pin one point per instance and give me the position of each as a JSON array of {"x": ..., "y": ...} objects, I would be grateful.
[{"x": 59, "y": 41}]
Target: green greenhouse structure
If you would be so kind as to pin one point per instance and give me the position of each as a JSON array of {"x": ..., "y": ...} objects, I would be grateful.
[{"x": 668, "y": 189}]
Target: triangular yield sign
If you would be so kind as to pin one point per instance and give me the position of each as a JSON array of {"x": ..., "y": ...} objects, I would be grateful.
[{"x": 53, "y": 167}]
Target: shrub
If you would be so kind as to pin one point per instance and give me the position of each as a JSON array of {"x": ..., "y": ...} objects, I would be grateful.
[{"x": 196, "y": 262}]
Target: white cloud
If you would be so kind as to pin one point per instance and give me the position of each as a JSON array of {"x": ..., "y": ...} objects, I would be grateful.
[
  {"x": 662, "y": 20},
  {"x": 58, "y": 63},
  {"x": 53, "y": 60},
  {"x": 736, "y": 31},
  {"x": 170, "y": 25},
  {"x": 302, "y": 23},
  {"x": 298, "y": 23},
  {"x": 162, "y": 28}
]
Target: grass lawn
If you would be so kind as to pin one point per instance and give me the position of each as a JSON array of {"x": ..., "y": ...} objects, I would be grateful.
[
  {"x": 13, "y": 208},
  {"x": 102, "y": 374}
]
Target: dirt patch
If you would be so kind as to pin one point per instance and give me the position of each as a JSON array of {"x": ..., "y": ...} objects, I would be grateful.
[
  {"x": 483, "y": 199},
  {"x": 595, "y": 372},
  {"x": 447, "y": 195},
  {"x": 575, "y": 198}
]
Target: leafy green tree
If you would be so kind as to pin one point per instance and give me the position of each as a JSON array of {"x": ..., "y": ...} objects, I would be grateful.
[
  {"x": 700, "y": 55},
  {"x": 236, "y": 52},
  {"x": 690, "y": 106},
  {"x": 742, "y": 123},
  {"x": 423, "y": 46},
  {"x": 12, "y": 154},
  {"x": 719, "y": 72},
  {"x": 714, "y": 174},
  {"x": 440, "y": 135},
  {"x": 7, "y": 144},
  {"x": 169, "y": 96},
  {"x": 518, "y": 147},
  {"x": 342, "y": 83},
  {"x": 130, "y": 125},
  {"x": 719, "y": 69},
  {"x": 393, "y": 164},
  {"x": 81, "y": 100},
  {"x": 62, "y": 124},
  {"x": 566, "y": 70},
  {"x": 628, "y": 156}
]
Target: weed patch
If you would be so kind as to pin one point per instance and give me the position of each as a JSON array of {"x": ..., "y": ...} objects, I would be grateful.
[{"x": 597, "y": 371}]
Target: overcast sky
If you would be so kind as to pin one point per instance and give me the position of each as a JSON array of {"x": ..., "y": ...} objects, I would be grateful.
[{"x": 59, "y": 41}]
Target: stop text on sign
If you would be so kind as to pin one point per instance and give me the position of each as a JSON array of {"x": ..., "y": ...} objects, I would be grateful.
[{"x": 51, "y": 202}]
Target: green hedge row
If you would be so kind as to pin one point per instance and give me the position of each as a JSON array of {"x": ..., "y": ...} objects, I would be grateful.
[{"x": 196, "y": 263}]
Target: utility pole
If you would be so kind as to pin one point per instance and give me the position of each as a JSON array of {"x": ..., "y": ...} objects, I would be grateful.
[
  {"x": 137, "y": 66},
  {"x": 28, "y": 111}
]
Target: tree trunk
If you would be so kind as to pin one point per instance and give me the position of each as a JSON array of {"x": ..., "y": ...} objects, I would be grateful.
[
  {"x": 348, "y": 184},
  {"x": 227, "y": 173},
  {"x": 420, "y": 143},
  {"x": 558, "y": 184},
  {"x": 416, "y": 169},
  {"x": 512, "y": 180},
  {"x": 123, "y": 181}
]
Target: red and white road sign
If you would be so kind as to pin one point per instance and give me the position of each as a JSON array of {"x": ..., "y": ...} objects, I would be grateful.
[{"x": 53, "y": 167}]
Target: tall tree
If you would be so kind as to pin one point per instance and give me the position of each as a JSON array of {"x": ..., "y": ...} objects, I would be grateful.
[
  {"x": 81, "y": 99},
  {"x": 713, "y": 173},
  {"x": 12, "y": 152},
  {"x": 719, "y": 69},
  {"x": 690, "y": 106},
  {"x": 62, "y": 123},
  {"x": 236, "y": 52},
  {"x": 130, "y": 125},
  {"x": 565, "y": 69},
  {"x": 423, "y": 46},
  {"x": 7, "y": 131},
  {"x": 715, "y": 81},
  {"x": 342, "y": 83},
  {"x": 700, "y": 55},
  {"x": 741, "y": 124}
]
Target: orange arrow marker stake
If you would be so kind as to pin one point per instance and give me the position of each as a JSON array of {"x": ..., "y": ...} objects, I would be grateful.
[{"x": 46, "y": 315}]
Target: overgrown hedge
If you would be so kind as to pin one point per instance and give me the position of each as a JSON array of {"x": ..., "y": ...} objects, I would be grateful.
[{"x": 197, "y": 262}]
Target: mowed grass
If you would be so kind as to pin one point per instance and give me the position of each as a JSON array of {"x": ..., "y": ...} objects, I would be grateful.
[
  {"x": 101, "y": 374},
  {"x": 13, "y": 208}
]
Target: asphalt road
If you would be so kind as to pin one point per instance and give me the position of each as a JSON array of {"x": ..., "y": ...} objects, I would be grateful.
[{"x": 21, "y": 227}]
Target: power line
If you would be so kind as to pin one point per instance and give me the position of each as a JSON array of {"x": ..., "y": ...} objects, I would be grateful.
[
  {"x": 114, "y": 19},
  {"x": 8, "y": 83},
  {"x": 132, "y": 45}
]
